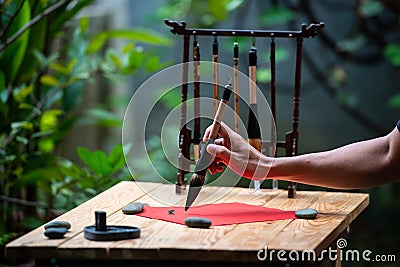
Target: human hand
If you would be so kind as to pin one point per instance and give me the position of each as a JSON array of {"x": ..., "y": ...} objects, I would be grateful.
[{"x": 235, "y": 152}]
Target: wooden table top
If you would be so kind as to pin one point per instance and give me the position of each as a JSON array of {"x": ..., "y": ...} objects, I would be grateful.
[{"x": 162, "y": 240}]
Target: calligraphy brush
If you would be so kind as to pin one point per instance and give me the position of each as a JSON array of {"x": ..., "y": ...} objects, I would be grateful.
[
  {"x": 236, "y": 83},
  {"x": 196, "y": 85},
  {"x": 253, "y": 128},
  {"x": 206, "y": 159},
  {"x": 275, "y": 184},
  {"x": 215, "y": 73}
]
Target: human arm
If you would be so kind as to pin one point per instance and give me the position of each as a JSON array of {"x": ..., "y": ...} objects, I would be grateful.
[{"x": 358, "y": 165}]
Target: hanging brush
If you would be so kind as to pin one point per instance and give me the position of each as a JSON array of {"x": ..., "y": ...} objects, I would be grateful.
[
  {"x": 236, "y": 83},
  {"x": 253, "y": 128},
  {"x": 206, "y": 159},
  {"x": 215, "y": 73},
  {"x": 196, "y": 85}
]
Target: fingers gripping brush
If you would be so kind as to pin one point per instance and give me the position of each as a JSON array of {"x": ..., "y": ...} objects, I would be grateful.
[{"x": 206, "y": 159}]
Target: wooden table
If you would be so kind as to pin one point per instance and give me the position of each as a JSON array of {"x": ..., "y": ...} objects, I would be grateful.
[{"x": 172, "y": 242}]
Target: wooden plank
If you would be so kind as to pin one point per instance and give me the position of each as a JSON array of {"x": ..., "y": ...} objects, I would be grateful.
[
  {"x": 164, "y": 240},
  {"x": 154, "y": 233},
  {"x": 172, "y": 237},
  {"x": 100, "y": 250},
  {"x": 336, "y": 211},
  {"x": 157, "y": 235},
  {"x": 35, "y": 245},
  {"x": 198, "y": 244},
  {"x": 247, "y": 239}
]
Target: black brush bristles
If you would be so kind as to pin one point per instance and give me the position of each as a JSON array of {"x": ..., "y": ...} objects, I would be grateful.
[
  {"x": 196, "y": 183},
  {"x": 197, "y": 180},
  {"x": 227, "y": 92}
]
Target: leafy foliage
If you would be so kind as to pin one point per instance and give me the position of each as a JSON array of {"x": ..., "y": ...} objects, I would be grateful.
[
  {"x": 277, "y": 15},
  {"x": 53, "y": 59}
]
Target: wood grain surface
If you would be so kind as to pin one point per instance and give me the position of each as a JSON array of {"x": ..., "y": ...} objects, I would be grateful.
[{"x": 165, "y": 240}]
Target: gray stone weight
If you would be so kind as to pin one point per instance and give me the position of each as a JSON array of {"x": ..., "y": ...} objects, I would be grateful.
[
  {"x": 198, "y": 222},
  {"x": 55, "y": 233},
  {"x": 306, "y": 214},
  {"x": 133, "y": 208},
  {"x": 58, "y": 224}
]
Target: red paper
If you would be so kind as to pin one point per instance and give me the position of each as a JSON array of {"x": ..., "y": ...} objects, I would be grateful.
[{"x": 219, "y": 214}]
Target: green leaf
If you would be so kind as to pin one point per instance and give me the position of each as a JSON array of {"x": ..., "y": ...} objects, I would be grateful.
[
  {"x": 392, "y": 53},
  {"x": 40, "y": 57},
  {"x": 49, "y": 120},
  {"x": 58, "y": 19},
  {"x": 72, "y": 64},
  {"x": 84, "y": 24},
  {"x": 96, "y": 161},
  {"x": 27, "y": 125},
  {"x": 370, "y": 8},
  {"x": 175, "y": 10},
  {"x": 348, "y": 99},
  {"x": 394, "y": 101},
  {"x": 115, "y": 60},
  {"x": 153, "y": 64},
  {"x": 68, "y": 168},
  {"x": 59, "y": 68},
  {"x": 352, "y": 44},
  {"x": 11, "y": 58},
  {"x": 218, "y": 8},
  {"x": 6, "y": 237},
  {"x": 127, "y": 48},
  {"x": 3, "y": 95},
  {"x": 2, "y": 84},
  {"x": 338, "y": 74},
  {"x": 46, "y": 145},
  {"x": 49, "y": 80},
  {"x": 103, "y": 117},
  {"x": 44, "y": 2},
  {"x": 97, "y": 43},
  {"x": 20, "y": 94},
  {"x": 136, "y": 58},
  {"x": 42, "y": 134},
  {"x": 31, "y": 222},
  {"x": 142, "y": 35},
  {"x": 22, "y": 140},
  {"x": 37, "y": 40},
  {"x": 116, "y": 158},
  {"x": 263, "y": 75},
  {"x": 281, "y": 54},
  {"x": 277, "y": 15}
]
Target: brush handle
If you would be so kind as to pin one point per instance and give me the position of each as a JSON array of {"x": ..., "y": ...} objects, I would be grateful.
[
  {"x": 253, "y": 129},
  {"x": 215, "y": 79},
  {"x": 236, "y": 84},
  {"x": 196, "y": 85},
  {"x": 217, "y": 120},
  {"x": 205, "y": 158},
  {"x": 215, "y": 74}
]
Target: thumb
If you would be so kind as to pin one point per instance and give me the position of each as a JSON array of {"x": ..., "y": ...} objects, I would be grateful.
[{"x": 219, "y": 152}]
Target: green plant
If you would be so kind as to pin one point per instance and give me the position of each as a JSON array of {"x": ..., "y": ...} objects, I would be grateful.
[
  {"x": 72, "y": 184},
  {"x": 46, "y": 61}
]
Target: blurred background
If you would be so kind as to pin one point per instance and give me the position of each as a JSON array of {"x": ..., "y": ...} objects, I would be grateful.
[{"x": 66, "y": 79}]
